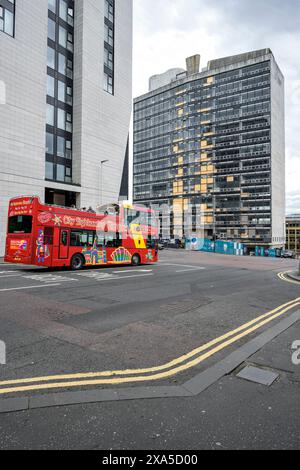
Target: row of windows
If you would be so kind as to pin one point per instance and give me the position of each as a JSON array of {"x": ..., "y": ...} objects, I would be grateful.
[
  {"x": 189, "y": 132},
  {"x": 57, "y": 172},
  {"x": 58, "y": 145},
  {"x": 60, "y": 35},
  {"x": 59, "y": 117},
  {"x": 59, "y": 62},
  {"x": 83, "y": 238},
  {"x": 87, "y": 238},
  {"x": 65, "y": 12},
  {"x": 185, "y": 110},
  {"x": 221, "y": 82},
  {"x": 109, "y": 44},
  {"x": 60, "y": 90}
]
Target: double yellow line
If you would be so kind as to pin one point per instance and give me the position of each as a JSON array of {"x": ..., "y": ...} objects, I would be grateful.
[
  {"x": 164, "y": 371},
  {"x": 283, "y": 277}
]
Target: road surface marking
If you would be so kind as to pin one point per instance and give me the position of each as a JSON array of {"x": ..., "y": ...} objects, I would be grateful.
[
  {"x": 133, "y": 271},
  {"x": 9, "y": 275},
  {"x": 8, "y": 272},
  {"x": 29, "y": 287},
  {"x": 135, "y": 275},
  {"x": 49, "y": 278},
  {"x": 282, "y": 277},
  {"x": 57, "y": 280},
  {"x": 150, "y": 378},
  {"x": 176, "y": 365},
  {"x": 189, "y": 270},
  {"x": 182, "y": 265},
  {"x": 111, "y": 277}
]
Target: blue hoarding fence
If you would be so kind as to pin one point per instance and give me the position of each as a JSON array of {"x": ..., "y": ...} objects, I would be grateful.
[
  {"x": 271, "y": 252},
  {"x": 209, "y": 246}
]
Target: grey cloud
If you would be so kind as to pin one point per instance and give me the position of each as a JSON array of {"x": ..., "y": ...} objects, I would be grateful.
[
  {"x": 270, "y": 15},
  {"x": 266, "y": 15},
  {"x": 293, "y": 202}
]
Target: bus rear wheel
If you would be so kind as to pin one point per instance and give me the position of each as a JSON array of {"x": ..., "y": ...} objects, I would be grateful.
[
  {"x": 77, "y": 262},
  {"x": 136, "y": 260}
]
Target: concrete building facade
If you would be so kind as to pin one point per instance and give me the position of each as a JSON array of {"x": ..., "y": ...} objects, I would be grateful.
[
  {"x": 65, "y": 101},
  {"x": 213, "y": 142}
]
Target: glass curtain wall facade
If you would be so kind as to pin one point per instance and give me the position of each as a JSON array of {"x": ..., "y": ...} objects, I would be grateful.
[
  {"x": 60, "y": 63},
  {"x": 205, "y": 145}
]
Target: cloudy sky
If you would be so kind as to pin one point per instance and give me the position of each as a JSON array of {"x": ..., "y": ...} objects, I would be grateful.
[{"x": 168, "y": 31}]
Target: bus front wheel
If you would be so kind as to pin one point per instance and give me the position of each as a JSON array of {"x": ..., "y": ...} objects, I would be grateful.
[
  {"x": 136, "y": 260},
  {"x": 77, "y": 262}
]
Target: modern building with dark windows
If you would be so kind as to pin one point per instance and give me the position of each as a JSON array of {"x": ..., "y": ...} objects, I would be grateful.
[
  {"x": 65, "y": 101},
  {"x": 293, "y": 233},
  {"x": 213, "y": 143}
]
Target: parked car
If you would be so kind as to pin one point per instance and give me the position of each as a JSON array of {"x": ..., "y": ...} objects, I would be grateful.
[
  {"x": 161, "y": 245},
  {"x": 171, "y": 243},
  {"x": 288, "y": 254}
]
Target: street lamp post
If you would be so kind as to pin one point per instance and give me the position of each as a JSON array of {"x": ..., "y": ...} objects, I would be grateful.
[{"x": 102, "y": 163}]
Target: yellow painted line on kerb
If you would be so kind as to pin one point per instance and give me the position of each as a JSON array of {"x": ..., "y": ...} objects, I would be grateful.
[
  {"x": 283, "y": 277},
  {"x": 175, "y": 366}
]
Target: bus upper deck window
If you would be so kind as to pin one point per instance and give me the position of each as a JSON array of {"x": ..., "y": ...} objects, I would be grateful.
[{"x": 20, "y": 224}]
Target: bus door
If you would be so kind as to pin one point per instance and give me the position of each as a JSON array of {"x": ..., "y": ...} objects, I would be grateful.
[{"x": 64, "y": 244}]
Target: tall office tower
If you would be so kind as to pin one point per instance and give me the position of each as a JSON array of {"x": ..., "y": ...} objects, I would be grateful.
[
  {"x": 65, "y": 101},
  {"x": 213, "y": 142}
]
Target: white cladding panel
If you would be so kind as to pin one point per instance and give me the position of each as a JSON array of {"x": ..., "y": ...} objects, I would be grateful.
[{"x": 100, "y": 121}]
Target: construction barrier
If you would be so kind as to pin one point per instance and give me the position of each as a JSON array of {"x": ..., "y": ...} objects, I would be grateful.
[
  {"x": 220, "y": 246},
  {"x": 267, "y": 252}
]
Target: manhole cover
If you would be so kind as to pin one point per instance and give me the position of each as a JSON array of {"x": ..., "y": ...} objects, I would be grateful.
[{"x": 257, "y": 375}]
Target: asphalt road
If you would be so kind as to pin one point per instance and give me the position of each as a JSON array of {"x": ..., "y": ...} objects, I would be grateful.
[{"x": 60, "y": 323}]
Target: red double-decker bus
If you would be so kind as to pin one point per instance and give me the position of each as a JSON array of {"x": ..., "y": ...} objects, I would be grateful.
[{"x": 52, "y": 236}]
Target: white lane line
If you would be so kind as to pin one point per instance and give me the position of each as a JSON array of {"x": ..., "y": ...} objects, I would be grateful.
[
  {"x": 29, "y": 287},
  {"x": 183, "y": 265},
  {"x": 119, "y": 278},
  {"x": 111, "y": 277},
  {"x": 95, "y": 275},
  {"x": 190, "y": 270},
  {"x": 49, "y": 278},
  {"x": 133, "y": 271},
  {"x": 9, "y": 275},
  {"x": 188, "y": 267},
  {"x": 135, "y": 275},
  {"x": 9, "y": 272}
]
